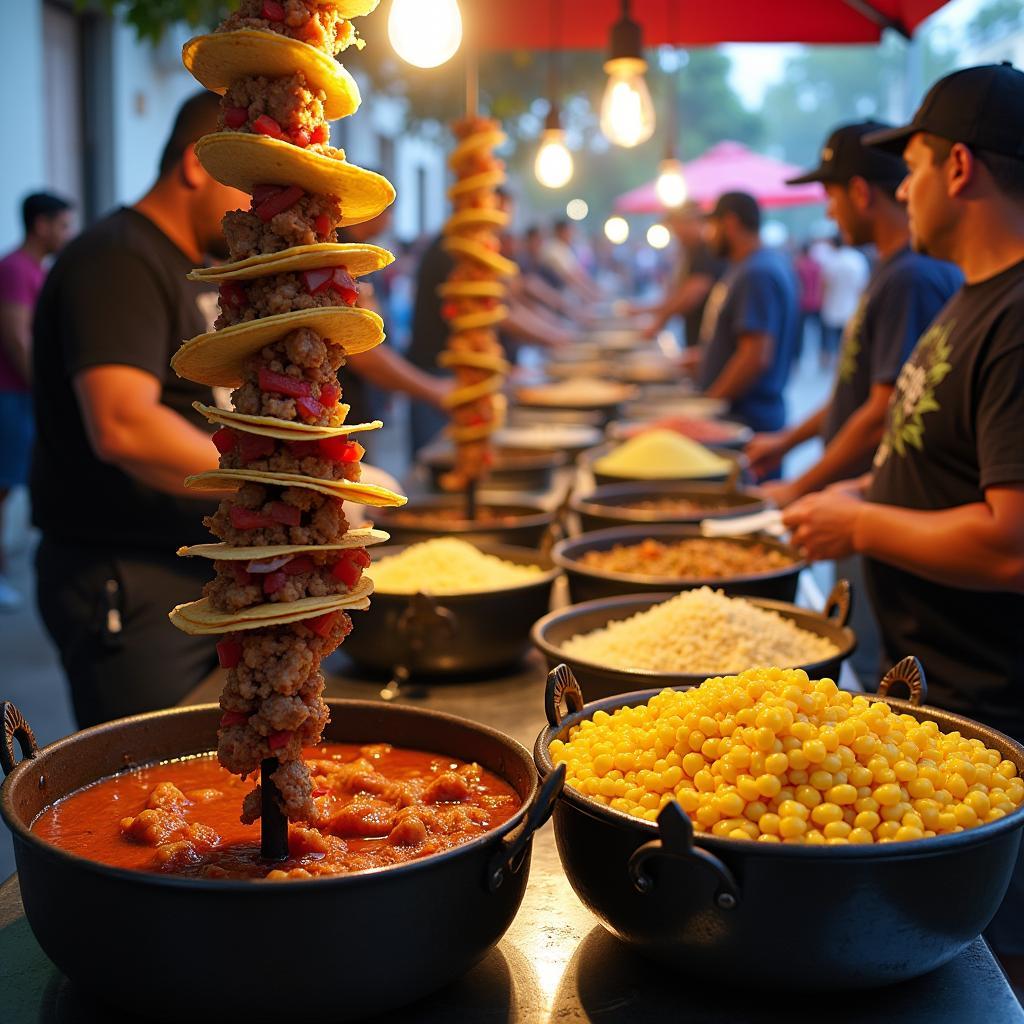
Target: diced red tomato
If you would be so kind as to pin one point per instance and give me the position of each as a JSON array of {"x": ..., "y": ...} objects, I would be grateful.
[
  {"x": 329, "y": 393},
  {"x": 340, "y": 449},
  {"x": 299, "y": 564},
  {"x": 233, "y": 718},
  {"x": 266, "y": 125},
  {"x": 311, "y": 30},
  {"x": 320, "y": 792},
  {"x": 322, "y": 624},
  {"x": 304, "y": 449},
  {"x": 272, "y": 10},
  {"x": 309, "y": 408},
  {"x": 261, "y": 193},
  {"x": 232, "y": 294},
  {"x": 449, "y": 310},
  {"x": 255, "y": 446},
  {"x": 273, "y": 582},
  {"x": 347, "y": 571},
  {"x": 278, "y": 203},
  {"x": 360, "y": 557},
  {"x": 300, "y": 137},
  {"x": 283, "y": 513},
  {"x": 277, "y": 740},
  {"x": 224, "y": 440},
  {"x": 235, "y": 117},
  {"x": 282, "y": 384},
  {"x": 246, "y": 519},
  {"x": 242, "y": 575},
  {"x": 345, "y": 285},
  {"x": 316, "y": 280},
  {"x": 320, "y": 134},
  {"x": 322, "y": 223},
  {"x": 229, "y": 651}
]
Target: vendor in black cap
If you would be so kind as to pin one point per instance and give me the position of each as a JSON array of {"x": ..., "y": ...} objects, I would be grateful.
[
  {"x": 940, "y": 518},
  {"x": 904, "y": 294}
]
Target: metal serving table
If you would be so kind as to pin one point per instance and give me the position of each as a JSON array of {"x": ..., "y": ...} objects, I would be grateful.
[{"x": 555, "y": 963}]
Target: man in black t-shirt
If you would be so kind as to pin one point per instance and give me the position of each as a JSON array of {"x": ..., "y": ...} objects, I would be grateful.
[
  {"x": 940, "y": 517},
  {"x": 117, "y": 435}
]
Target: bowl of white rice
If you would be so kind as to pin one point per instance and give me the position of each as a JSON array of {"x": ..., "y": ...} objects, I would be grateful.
[
  {"x": 639, "y": 641},
  {"x": 449, "y": 607}
]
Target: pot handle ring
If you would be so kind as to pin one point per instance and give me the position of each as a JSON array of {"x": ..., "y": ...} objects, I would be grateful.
[
  {"x": 561, "y": 685},
  {"x": 509, "y": 857},
  {"x": 909, "y": 671},
  {"x": 420, "y": 612},
  {"x": 677, "y": 842},
  {"x": 15, "y": 727},
  {"x": 839, "y": 603}
]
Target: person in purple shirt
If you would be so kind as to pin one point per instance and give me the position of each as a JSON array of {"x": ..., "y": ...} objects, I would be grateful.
[{"x": 47, "y": 227}]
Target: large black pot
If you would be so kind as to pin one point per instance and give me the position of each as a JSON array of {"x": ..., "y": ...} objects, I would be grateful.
[
  {"x": 514, "y": 469},
  {"x": 550, "y": 634},
  {"x": 609, "y": 506},
  {"x": 776, "y": 915},
  {"x": 323, "y": 949},
  {"x": 454, "y": 633},
  {"x": 529, "y": 521},
  {"x": 588, "y": 584},
  {"x": 737, "y": 468}
]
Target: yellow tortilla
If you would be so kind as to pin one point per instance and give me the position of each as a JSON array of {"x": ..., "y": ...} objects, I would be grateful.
[
  {"x": 358, "y": 259},
  {"x": 343, "y": 490},
  {"x": 472, "y": 289},
  {"x": 478, "y": 321},
  {"x": 220, "y": 58},
  {"x": 478, "y": 360},
  {"x": 199, "y": 618},
  {"x": 281, "y": 430},
  {"x": 490, "y": 139},
  {"x": 360, "y": 538},
  {"x": 244, "y": 161},
  {"x": 475, "y": 182},
  {"x": 471, "y": 392},
  {"x": 473, "y": 217},
  {"x": 217, "y": 358},
  {"x": 488, "y": 257}
]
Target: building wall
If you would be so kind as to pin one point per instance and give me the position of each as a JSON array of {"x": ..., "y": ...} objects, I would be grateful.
[{"x": 23, "y": 167}]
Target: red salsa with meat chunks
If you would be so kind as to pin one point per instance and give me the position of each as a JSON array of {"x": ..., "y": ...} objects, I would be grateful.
[{"x": 376, "y": 805}]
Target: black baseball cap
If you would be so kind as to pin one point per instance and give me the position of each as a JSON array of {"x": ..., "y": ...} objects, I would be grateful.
[
  {"x": 844, "y": 156},
  {"x": 982, "y": 107},
  {"x": 742, "y": 204}
]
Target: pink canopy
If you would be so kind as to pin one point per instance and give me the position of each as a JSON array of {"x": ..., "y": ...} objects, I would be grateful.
[{"x": 730, "y": 167}]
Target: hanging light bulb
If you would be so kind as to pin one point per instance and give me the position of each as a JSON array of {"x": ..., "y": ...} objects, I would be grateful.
[
  {"x": 627, "y": 112},
  {"x": 658, "y": 236},
  {"x": 425, "y": 33},
  {"x": 577, "y": 209},
  {"x": 670, "y": 187},
  {"x": 616, "y": 230},
  {"x": 553, "y": 165}
]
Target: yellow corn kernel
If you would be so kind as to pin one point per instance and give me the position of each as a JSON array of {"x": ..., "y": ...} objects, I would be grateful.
[
  {"x": 825, "y": 813},
  {"x": 842, "y": 794},
  {"x": 791, "y": 827}
]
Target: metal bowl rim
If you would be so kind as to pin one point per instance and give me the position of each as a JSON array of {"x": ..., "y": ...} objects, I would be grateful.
[
  {"x": 682, "y": 532},
  {"x": 50, "y": 850},
  {"x": 933, "y": 847},
  {"x": 556, "y": 654},
  {"x": 539, "y": 515}
]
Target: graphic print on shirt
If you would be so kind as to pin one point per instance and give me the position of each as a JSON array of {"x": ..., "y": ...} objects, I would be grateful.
[
  {"x": 850, "y": 351},
  {"x": 914, "y": 395},
  {"x": 712, "y": 310}
]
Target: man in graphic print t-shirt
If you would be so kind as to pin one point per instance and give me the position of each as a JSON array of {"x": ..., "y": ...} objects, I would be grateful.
[{"x": 940, "y": 517}]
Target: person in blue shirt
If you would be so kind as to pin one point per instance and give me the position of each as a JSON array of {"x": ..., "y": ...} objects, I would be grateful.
[
  {"x": 904, "y": 294},
  {"x": 748, "y": 334}
]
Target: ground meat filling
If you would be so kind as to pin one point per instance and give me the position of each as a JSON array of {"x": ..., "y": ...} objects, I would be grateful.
[
  {"x": 239, "y": 585},
  {"x": 280, "y": 108},
  {"x": 242, "y": 301},
  {"x": 319, "y": 25},
  {"x": 258, "y": 515},
  {"x": 332, "y": 458},
  {"x": 264, "y": 229}
]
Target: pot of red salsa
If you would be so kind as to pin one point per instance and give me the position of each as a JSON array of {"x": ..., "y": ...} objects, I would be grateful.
[{"x": 416, "y": 867}]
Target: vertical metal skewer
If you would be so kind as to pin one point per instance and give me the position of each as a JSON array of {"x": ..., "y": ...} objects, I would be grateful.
[
  {"x": 273, "y": 823},
  {"x": 471, "y": 506},
  {"x": 472, "y": 108}
]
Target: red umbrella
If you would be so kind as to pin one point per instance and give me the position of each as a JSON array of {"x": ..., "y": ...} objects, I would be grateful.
[
  {"x": 730, "y": 167},
  {"x": 584, "y": 24}
]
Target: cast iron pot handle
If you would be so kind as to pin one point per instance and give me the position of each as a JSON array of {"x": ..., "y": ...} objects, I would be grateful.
[
  {"x": 509, "y": 856},
  {"x": 839, "y": 603},
  {"x": 911, "y": 672},
  {"x": 561, "y": 685},
  {"x": 553, "y": 533},
  {"x": 420, "y": 613},
  {"x": 15, "y": 727},
  {"x": 677, "y": 841}
]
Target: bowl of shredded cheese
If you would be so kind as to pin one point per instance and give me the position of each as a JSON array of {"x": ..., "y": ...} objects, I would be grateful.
[{"x": 661, "y": 455}]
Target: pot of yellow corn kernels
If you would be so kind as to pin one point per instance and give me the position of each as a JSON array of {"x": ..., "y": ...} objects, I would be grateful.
[{"x": 774, "y": 828}]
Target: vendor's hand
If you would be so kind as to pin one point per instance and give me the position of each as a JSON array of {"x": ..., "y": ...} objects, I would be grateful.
[
  {"x": 765, "y": 452},
  {"x": 689, "y": 359},
  {"x": 782, "y": 493},
  {"x": 823, "y": 524},
  {"x": 440, "y": 390},
  {"x": 651, "y": 330}
]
